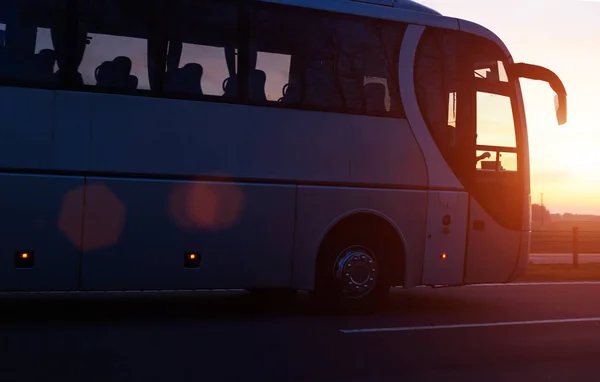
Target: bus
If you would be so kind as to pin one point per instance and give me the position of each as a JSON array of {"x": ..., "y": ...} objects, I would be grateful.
[{"x": 340, "y": 147}]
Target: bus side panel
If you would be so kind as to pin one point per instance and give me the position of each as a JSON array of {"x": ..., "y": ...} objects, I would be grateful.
[
  {"x": 138, "y": 231},
  {"x": 384, "y": 151},
  {"x": 446, "y": 238},
  {"x": 26, "y": 127},
  {"x": 524, "y": 252},
  {"x": 41, "y": 215},
  {"x": 493, "y": 251},
  {"x": 161, "y": 136},
  {"x": 43, "y": 129},
  {"x": 182, "y": 138},
  {"x": 320, "y": 207},
  {"x": 72, "y": 131}
]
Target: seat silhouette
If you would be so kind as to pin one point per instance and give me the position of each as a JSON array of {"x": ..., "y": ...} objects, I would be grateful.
[
  {"x": 43, "y": 65},
  {"x": 258, "y": 80},
  {"x": 186, "y": 80},
  {"x": 291, "y": 93},
  {"x": 256, "y": 86},
  {"x": 230, "y": 86},
  {"x": 116, "y": 74}
]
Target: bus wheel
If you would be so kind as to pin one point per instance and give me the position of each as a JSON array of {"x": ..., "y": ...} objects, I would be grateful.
[{"x": 351, "y": 278}]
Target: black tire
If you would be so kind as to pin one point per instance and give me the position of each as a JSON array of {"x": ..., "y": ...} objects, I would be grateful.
[{"x": 334, "y": 290}]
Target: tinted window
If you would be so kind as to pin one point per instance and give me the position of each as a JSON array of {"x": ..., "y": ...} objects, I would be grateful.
[
  {"x": 438, "y": 74},
  {"x": 291, "y": 56},
  {"x": 27, "y": 52},
  {"x": 204, "y": 38},
  {"x": 325, "y": 61},
  {"x": 118, "y": 34}
]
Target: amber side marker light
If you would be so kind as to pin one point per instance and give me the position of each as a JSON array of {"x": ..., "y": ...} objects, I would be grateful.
[
  {"x": 24, "y": 259},
  {"x": 444, "y": 256},
  {"x": 191, "y": 260}
]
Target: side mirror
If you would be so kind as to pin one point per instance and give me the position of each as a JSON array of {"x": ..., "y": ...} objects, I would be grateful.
[
  {"x": 542, "y": 74},
  {"x": 560, "y": 105}
]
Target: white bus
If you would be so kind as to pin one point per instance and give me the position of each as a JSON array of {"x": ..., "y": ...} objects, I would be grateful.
[{"x": 337, "y": 146}]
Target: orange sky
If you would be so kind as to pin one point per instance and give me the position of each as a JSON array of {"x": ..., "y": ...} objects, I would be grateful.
[{"x": 565, "y": 37}]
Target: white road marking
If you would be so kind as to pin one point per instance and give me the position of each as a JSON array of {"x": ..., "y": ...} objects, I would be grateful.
[
  {"x": 539, "y": 283},
  {"x": 513, "y": 284},
  {"x": 461, "y": 326}
]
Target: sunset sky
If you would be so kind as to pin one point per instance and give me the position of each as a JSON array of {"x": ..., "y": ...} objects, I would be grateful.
[{"x": 564, "y": 36}]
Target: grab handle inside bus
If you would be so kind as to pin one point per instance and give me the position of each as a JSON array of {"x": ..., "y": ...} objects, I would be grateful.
[{"x": 540, "y": 73}]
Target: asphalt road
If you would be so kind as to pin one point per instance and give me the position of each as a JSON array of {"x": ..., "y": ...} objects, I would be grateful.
[
  {"x": 564, "y": 258},
  {"x": 226, "y": 337}
]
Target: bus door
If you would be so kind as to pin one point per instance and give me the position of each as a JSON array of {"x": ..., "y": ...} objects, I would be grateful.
[
  {"x": 498, "y": 184},
  {"x": 499, "y": 210}
]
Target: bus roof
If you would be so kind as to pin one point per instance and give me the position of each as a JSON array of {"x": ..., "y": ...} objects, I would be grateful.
[
  {"x": 409, "y": 5},
  {"x": 399, "y": 10},
  {"x": 412, "y": 5}
]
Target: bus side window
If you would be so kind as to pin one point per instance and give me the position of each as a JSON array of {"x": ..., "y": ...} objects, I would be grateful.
[
  {"x": 352, "y": 38},
  {"x": 272, "y": 40},
  {"x": 439, "y": 78},
  {"x": 298, "y": 60},
  {"x": 116, "y": 54},
  {"x": 207, "y": 63},
  {"x": 340, "y": 63},
  {"x": 276, "y": 67},
  {"x": 367, "y": 64},
  {"x": 26, "y": 50},
  {"x": 434, "y": 80}
]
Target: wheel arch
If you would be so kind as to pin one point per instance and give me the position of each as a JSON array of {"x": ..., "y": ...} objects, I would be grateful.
[{"x": 376, "y": 223}]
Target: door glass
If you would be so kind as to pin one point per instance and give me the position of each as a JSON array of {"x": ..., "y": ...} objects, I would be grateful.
[
  {"x": 497, "y": 185},
  {"x": 495, "y": 127}
]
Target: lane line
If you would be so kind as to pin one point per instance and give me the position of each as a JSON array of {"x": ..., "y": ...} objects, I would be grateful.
[
  {"x": 539, "y": 283},
  {"x": 533, "y": 283},
  {"x": 462, "y": 326}
]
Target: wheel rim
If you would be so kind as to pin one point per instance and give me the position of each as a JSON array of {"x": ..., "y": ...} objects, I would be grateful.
[{"x": 356, "y": 272}]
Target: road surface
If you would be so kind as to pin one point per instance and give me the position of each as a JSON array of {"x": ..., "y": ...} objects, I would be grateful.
[
  {"x": 557, "y": 258},
  {"x": 489, "y": 333}
]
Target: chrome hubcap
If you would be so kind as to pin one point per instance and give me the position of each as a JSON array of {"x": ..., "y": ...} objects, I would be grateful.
[{"x": 356, "y": 272}]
